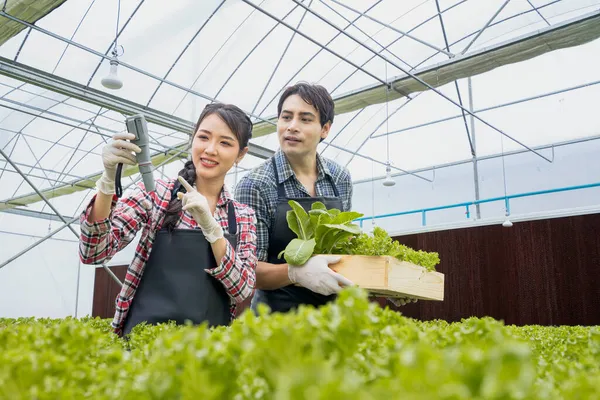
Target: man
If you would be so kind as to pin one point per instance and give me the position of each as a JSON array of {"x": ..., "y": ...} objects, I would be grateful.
[{"x": 296, "y": 172}]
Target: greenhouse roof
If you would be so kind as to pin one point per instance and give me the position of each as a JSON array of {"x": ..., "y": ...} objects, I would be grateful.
[{"x": 522, "y": 74}]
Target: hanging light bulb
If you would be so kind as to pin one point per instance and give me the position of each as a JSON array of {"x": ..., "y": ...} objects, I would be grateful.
[
  {"x": 112, "y": 80},
  {"x": 388, "y": 181},
  {"x": 507, "y": 222}
]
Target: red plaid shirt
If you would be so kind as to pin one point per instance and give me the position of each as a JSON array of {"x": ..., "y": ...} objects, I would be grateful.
[{"x": 101, "y": 240}]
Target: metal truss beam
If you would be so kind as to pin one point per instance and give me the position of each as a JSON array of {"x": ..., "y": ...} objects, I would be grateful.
[
  {"x": 67, "y": 224},
  {"x": 487, "y": 24},
  {"x": 416, "y": 78},
  {"x": 550, "y": 146},
  {"x": 77, "y": 91},
  {"x": 305, "y": 36},
  {"x": 443, "y": 26},
  {"x": 123, "y": 64},
  {"x": 567, "y": 34},
  {"x": 38, "y": 242},
  {"x": 28, "y": 10},
  {"x": 315, "y": 55},
  {"x": 89, "y": 181},
  {"x": 38, "y": 214},
  {"x": 408, "y": 35},
  {"x": 59, "y": 215},
  {"x": 497, "y": 106}
]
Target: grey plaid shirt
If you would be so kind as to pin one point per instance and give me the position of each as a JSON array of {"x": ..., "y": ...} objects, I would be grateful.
[{"x": 258, "y": 190}]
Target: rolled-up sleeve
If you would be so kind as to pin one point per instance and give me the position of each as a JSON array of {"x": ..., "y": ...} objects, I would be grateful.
[{"x": 101, "y": 240}]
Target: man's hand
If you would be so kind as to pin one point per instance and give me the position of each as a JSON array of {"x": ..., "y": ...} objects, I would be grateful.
[
  {"x": 316, "y": 275},
  {"x": 118, "y": 151},
  {"x": 197, "y": 205}
]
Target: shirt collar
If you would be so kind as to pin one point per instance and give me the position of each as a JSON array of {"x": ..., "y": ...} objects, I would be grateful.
[
  {"x": 225, "y": 197},
  {"x": 285, "y": 171}
]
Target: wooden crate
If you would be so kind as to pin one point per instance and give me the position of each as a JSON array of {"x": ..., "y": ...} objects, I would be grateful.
[{"x": 389, "y": 277}]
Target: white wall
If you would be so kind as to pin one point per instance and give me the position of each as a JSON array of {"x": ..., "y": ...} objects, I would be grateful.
[
  {"x": 576, "y": 164},
  {"x": 43, "y": 282}
]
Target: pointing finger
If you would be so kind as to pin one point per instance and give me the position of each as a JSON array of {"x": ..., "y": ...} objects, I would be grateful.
[{"x": 184, "y": 183}]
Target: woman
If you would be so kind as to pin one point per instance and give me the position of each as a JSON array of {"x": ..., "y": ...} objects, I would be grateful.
[{"x": 196, "y": 257}]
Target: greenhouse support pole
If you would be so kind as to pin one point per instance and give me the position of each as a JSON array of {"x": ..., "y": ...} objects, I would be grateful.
[
  {"x": 63, "y": 219},
  {"x": 475, "y": 169},
  {"x": 77, "y": 287},
  {"x": 30, "y": 247}
]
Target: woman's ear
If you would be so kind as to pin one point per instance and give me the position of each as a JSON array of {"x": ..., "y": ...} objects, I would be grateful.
[{"x": 243, "y": 152}]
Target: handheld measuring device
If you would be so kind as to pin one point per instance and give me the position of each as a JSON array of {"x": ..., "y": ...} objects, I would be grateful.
[{"x": 138, "y": 126}]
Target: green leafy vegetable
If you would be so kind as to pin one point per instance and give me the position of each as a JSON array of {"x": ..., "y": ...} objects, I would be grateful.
[
  {"x": 381, "y": 244},
  {"x": 299, "y": 249},
  {"x": 348, "y": 349},
  {"x": 318, "y": 231},
  {"x": 323, "y": 231}
]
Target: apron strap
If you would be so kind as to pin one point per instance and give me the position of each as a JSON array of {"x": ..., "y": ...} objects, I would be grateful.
[
  {"x": 335, "y": 190},
  {"x": 231, "y": 220},
  {"x": 281, "y": 188}
]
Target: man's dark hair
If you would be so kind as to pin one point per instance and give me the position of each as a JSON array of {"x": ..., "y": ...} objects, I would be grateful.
[{"x": 315, "y": 95}]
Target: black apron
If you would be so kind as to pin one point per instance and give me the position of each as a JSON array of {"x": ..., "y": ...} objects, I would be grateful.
[
  {"x": 290, "y": 297},
  {"x": 174, "y": 285}
]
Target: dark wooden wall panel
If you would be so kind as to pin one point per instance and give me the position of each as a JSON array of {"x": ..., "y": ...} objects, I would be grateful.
[
  {"x": 106, "y": 291},
  {"x": 543, "y": 272}
]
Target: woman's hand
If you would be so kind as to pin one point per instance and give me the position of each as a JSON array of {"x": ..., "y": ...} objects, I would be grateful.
[
  {"x": 118, "y": 151},
  {"x": 197, "y": 205}
]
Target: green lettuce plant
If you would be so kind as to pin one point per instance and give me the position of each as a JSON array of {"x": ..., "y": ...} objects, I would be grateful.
[
  {"x": 330, "y": 231},
  {"x": 318, "y": 231},
  {"x": 350, "y": 348}
]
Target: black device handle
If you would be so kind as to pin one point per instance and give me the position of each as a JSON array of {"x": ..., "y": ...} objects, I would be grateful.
[{"x": 118, "y": 187}]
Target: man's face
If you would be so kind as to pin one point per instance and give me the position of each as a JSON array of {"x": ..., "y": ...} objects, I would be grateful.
[{"x": 299, "y": 128}]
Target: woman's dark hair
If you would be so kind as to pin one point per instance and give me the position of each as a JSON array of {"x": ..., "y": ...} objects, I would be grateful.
[
  {"x": 315, "y": 95},
  {"x": 240, "y": 125}
]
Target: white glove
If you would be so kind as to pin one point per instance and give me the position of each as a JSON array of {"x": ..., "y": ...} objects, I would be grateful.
[
  {"x": 316, "y": 275},
  {"x": 197, "y": 205},
  {"x": 119, "y": 150}
]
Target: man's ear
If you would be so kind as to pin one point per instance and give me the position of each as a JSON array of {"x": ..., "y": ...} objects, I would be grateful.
[
  {"x": 325, "y": 130},
  {"x": 243, "y": 152}
]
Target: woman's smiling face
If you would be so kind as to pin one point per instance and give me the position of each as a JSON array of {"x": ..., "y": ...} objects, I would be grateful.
[{"x": 215, "y": 148}]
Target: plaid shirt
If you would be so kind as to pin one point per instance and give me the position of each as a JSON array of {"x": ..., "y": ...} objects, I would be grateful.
[
  {"x": 258, "y": 190},
  {"x": 101, "y": 240}
]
